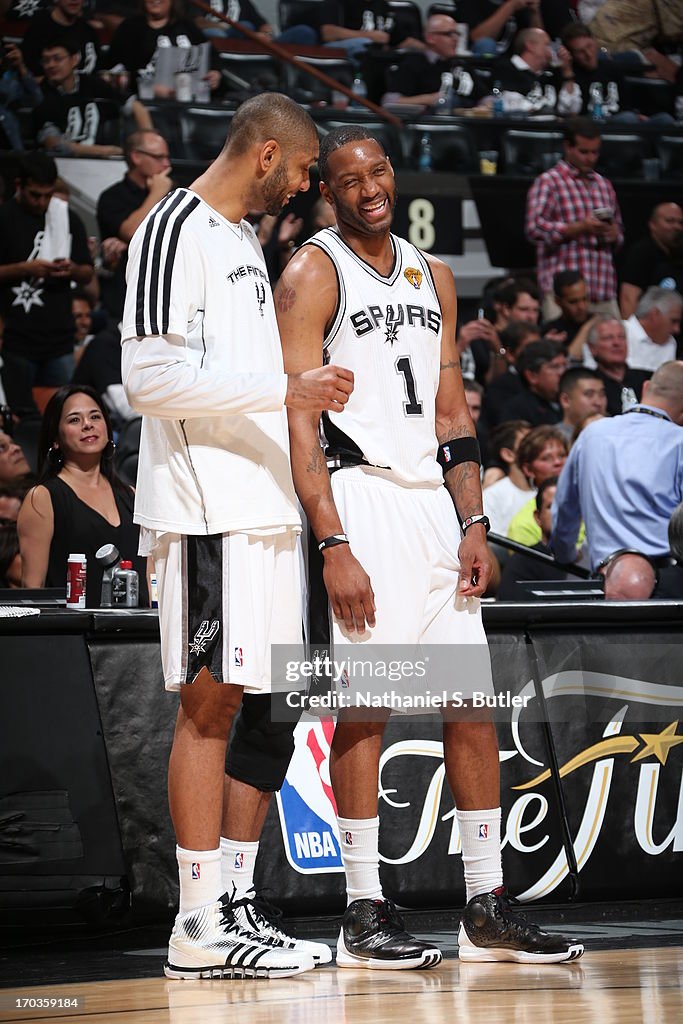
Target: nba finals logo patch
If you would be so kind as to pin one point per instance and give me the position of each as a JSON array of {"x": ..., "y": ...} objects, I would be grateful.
[
  {"x": 306, "y": 804},
  {"x": 239, "y": 660},
  {"x": 239, "y": 861},
  {"x": 196, "y": 871},
  {"x": 348, "y": 838},
  {"x": 483, "y": 831},
  {"x": 413, "y": 276}
]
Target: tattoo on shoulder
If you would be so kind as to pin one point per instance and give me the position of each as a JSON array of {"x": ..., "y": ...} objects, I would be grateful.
[
  {"x": 286, "y": 298},
  {"x": 316, "y": 463}
]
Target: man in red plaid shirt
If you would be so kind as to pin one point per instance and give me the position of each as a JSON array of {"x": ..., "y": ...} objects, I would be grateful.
[{"x": 573, "y": 217}]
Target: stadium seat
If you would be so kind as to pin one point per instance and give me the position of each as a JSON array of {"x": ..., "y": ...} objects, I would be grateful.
[
  {"x": 453, "y": 147},
  {"x": 408, "y": 19},
  {"x": 306, "y": 89},
  {"x": 526, "y": 154},
  {"x": 670, "y": 152},
  {"x": 249, "y": 73},
  {"x": 621, "y": 156},
  {"x": 203, "y": 131},
  {"x": 389, "y": 136},
  {"x": 297, "y": 12},
  {"x": 647, "y": 95}
]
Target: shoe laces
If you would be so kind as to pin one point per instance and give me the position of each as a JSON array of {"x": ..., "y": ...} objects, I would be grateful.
[
  {"x": 256, "y": 900},
  {"x": 387, "y": 914},
  {"x": 509, "y": 912}
]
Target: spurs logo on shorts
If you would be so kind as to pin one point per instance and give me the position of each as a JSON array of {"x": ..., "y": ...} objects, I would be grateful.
[
  {"x": 204, "y": 635},
  {"x": 260, "y": 295}
]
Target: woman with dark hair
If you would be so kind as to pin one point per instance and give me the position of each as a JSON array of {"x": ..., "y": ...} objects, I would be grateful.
[{"x": 78, "y": 504}]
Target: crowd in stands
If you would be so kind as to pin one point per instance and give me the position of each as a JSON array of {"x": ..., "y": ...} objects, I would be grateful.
[{"x": 570, "y": 367}]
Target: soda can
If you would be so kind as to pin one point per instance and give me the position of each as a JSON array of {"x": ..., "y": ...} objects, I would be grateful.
[{"x": 76, "y": 576}]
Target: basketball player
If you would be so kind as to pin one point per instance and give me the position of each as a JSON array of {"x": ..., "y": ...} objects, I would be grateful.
[
  {"x": 398, "y": 565},
  {"x": 202, "y": 363}
]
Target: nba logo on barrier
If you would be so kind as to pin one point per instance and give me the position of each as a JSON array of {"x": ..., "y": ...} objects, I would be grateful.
[
  {"x": 239, "y": 861},
  {"x": 483, "y": 831},
  {"x": 196, "y": 871},
  {"x": 306, "y": 804},
  {"x": 238, "y": 657}
]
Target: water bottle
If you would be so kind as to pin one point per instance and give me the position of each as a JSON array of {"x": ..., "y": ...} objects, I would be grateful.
[
  {"x": 108, "y": 557},
  {"x": 124, "y": 586},
  {"x": 424, "y": 162},
  {"x": 498, "y": 101},
  {"x": 359, "y": 89},
  {"x": 444, "y": 101},
  {"x": 612, "y": 101},
  {"x": 595, "y": 105},
  {"x": 76, "y": 577}
]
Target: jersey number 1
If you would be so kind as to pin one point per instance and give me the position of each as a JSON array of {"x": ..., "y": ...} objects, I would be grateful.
[{"x": 412, "y": 407}]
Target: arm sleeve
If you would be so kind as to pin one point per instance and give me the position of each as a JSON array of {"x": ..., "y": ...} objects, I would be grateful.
[
  {"x": 566, "y": 510},
  {"x": 542, "y": 223},
  {"x": 164, "y": 295}
]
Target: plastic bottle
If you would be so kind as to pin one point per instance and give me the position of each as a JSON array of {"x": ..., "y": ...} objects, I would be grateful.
[
  {"x": 424, "y": 162},
  {"x": 498, "y": 108},
  {"x": 444, "y": 102},
  {"x": 108, "y": 557},
  {"x": 76, "y": 578},
  {"x": 596, "y": 103},
  {"x": 359, "y": 89},
  {"x": 124, "y": 586},
  {"x": 612, "y": 101}
]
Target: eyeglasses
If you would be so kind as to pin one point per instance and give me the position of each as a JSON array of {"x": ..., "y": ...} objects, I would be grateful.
[{"x": 154, "y": 156}]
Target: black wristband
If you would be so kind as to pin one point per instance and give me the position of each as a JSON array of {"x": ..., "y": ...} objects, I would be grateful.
[
  {"x": 473, "y": 520},
  {"x": 330, "y": 542},
  {"x": 460, "y": 449}
]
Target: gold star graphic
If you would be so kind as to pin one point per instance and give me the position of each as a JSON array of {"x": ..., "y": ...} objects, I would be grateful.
[{"x": 658, "y": 744}]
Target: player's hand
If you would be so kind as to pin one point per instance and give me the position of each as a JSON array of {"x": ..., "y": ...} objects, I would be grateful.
[
  {"x": 349, "y": 589},
  {"x": 325, "y": 388},
  {"x": 475, "y": 563}
]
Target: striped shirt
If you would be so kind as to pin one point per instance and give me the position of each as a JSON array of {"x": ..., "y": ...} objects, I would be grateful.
[{"x": 562, "y": 196}]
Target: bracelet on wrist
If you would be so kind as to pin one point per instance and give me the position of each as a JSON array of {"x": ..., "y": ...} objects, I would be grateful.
[{"x": 333, "y": 541}]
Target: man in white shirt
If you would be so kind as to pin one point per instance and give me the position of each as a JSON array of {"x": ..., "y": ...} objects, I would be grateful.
[
  {"x": 202, "y": 363},
  {"x": 650, "y": 331}
]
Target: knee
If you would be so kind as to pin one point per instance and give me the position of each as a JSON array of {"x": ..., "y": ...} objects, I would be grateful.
[
  {"x": 262, "y": 743},
  {"x": 209, "y": 706}
]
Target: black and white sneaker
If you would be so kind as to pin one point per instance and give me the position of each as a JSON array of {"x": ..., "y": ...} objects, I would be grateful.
[
  {"x": 373, "y": 936},
  {"x": 209, "y": 943},
  {"x": 493, "y": 929},
  {"x": 255, "y": 914}
]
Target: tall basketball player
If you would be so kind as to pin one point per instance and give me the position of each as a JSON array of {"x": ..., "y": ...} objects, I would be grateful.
[
  {"x": 202, "y": 363},
  {"x": 405, "y": 558}
]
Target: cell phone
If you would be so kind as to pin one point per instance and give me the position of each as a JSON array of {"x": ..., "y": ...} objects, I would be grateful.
[
  {"x": 481, "y": 313},
  {"x": 604, "y": 213}
]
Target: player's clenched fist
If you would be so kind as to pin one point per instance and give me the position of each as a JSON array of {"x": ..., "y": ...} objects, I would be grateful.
[{"x": 326, "y": 387}]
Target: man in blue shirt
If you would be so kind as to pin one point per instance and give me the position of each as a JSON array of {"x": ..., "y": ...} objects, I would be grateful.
[{"x": 624, "y": 476}]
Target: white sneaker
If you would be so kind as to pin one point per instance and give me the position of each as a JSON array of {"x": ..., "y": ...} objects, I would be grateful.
[
  {"x": 209, "y": 943},
  {"x": 256, "y": 915}
]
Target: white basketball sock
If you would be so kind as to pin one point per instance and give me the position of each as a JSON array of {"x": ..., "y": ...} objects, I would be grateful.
[
  {"x": 359, "y": 840},
  {"x": 238, "y": 861},
  {"x": 480, "y": 838},
  {"x": 200, "y": 878}
]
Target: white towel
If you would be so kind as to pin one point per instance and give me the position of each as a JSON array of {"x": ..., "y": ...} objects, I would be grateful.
[{"x": 56, "y": 240}]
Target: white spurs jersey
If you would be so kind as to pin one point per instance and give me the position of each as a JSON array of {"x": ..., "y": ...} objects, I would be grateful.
[
  {"x": 202, "y": 361},
  {"x": 388, "y": 331}
]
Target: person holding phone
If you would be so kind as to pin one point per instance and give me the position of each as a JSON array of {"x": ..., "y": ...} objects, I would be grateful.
[
  {"x": 573, "y": 217},
  {"x": 35, "y": 289}
]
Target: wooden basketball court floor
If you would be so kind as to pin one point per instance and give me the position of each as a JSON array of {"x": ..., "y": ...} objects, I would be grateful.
[{"x": 615, "y": 985}]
